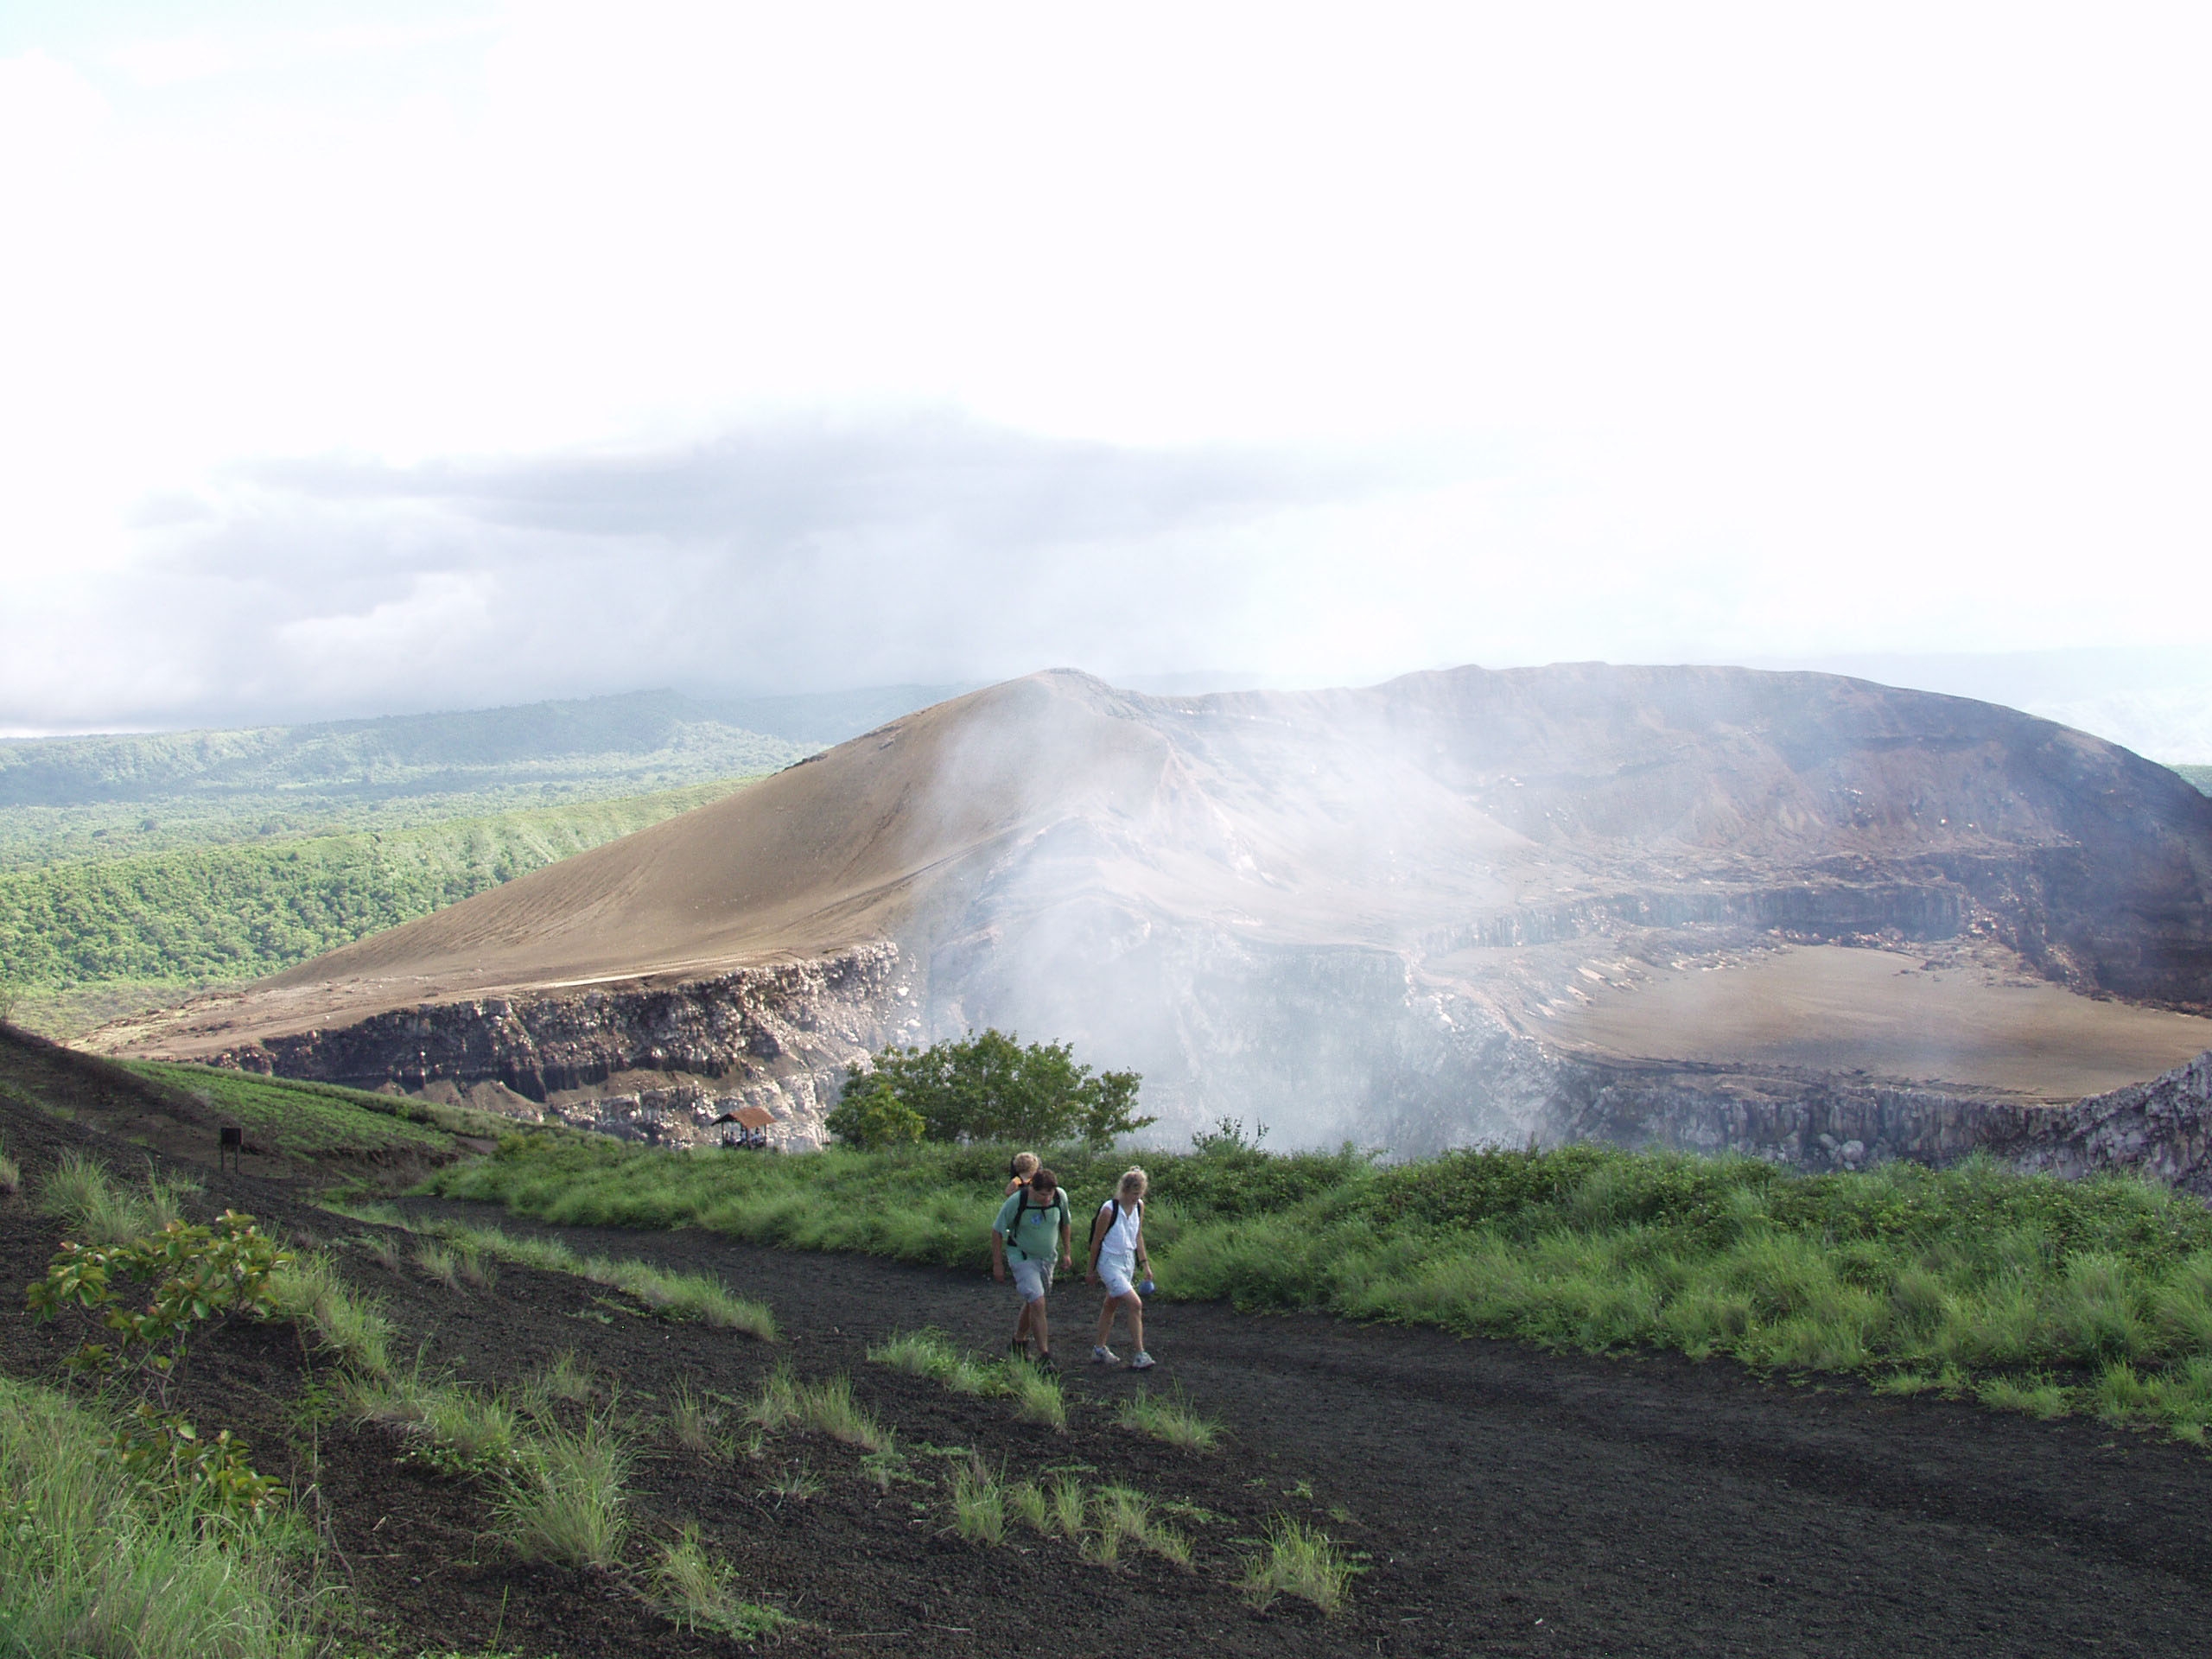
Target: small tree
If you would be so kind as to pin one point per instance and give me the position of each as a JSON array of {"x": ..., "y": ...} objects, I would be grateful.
[
  {"x": 988, "y": 1087},
  {"x": 873, "y": 1115}
]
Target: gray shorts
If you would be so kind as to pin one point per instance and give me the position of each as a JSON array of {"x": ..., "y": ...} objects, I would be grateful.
[{"x": 1032, "y": 1279}]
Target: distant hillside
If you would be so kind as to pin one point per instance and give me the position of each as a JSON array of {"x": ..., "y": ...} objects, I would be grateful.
[
  {"x": 66, "y": 799},
  {"x": 82, "y": 941},
  {"x": 2201, "y": 776}
]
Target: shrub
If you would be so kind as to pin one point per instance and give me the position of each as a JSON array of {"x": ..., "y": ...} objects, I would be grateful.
[
  {"x": 196, "y": 1274},
  {"x": 871, "y": 1116},
  {"x": 987, "y": 1088},
  {"x": 165, "y": 1453}
]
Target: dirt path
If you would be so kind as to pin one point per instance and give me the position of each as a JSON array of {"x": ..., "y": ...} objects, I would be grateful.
[{"x": 1515, "y": 1501}]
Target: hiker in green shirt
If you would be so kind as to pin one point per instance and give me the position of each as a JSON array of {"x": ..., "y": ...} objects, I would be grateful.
[{"x": 1033, "y": 1226}]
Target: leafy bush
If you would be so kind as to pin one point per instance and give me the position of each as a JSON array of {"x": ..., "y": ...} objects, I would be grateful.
[
  {"x": 986, "y": 1087},
  {"x": 197, "y": 1274},
  {"x": 869, "y": 1115},
  {"x": 165, "y": 1453}
]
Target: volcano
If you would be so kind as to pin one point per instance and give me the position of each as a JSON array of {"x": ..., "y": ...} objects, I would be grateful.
[{"x": 1411, "y": 913}]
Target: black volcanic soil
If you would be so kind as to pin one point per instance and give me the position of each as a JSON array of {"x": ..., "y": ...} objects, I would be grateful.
[{"x": 1504, "y": 1500}]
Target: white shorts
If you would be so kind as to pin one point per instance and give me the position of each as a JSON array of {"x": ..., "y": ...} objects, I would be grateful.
[
  {"x": 1032, "y": 1279},
  {"x": 1119, "y": 1272}
]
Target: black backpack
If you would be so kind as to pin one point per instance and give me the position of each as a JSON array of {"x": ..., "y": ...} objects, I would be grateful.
[{"x": 1114, "y": 1205}]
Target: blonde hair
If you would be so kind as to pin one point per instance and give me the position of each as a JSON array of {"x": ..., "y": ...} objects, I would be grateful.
[
  {"x": 1024, "y": 1165},
  {"x": 1135, "y": 1183}
]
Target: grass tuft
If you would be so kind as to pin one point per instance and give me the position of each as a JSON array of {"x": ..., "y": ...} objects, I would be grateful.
[
  {"x": 91, "y": 1563},
  {"x": 347, "y": 1324},
  {"x": 563, "y": 1379},
  {"x": 440, "y": 1264},
  {"x": 1173, "y": 1419},
  {"x": 929, "y": 1353},
  {"x": 569, "y": 1501},
  {"x": 1037, "y": 1394},
  {"x": 827, "y": 1408},
  {"x": 1297, "y": 1560},
  {"x": 978, "y": 1503},
  {"x": 2037, "y": 1397},
  {"x": 699, "y": 1594},
  {"x": 695, "y": 1424}
]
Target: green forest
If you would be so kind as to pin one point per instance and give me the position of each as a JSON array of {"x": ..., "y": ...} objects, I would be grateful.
[{"x": 149, "y": 928}]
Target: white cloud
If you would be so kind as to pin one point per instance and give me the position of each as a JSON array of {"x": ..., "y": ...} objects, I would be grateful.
[{"x": 1775, "y": 332}]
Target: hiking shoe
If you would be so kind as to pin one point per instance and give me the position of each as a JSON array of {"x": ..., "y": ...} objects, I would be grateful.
[
  {"x": 1141, "y": 1362},
  {"x": 1102, "y": 1354},
  {"x": 1047, "y": 1362}
]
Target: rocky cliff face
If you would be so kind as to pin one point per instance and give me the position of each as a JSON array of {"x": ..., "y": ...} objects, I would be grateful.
[
  {"x": 2162, "y": 1128},
  {"x": 656, "y": 1063}
]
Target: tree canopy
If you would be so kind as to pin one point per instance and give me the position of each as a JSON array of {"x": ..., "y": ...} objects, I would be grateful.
[{"x": 985, "y": 1087}]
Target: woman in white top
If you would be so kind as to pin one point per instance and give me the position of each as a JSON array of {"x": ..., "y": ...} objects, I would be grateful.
[{"x": 1116, "y": 1252}]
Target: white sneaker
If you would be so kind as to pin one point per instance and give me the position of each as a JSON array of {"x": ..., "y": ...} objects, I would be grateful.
[
  {"x": 1104, "y": 1356},
  {"x": 1141, "y": 1362}
]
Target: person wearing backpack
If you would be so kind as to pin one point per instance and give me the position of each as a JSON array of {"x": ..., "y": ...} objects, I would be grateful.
[
  {"x": 1116, "y": 1252},
  {"x": 1034, "y": 1225}
]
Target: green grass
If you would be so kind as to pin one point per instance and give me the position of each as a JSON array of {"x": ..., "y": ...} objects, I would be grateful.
[
  {"x": 699, "y": 1593},
  {"x": 1296, "y": 1560},
  {"x": 672, "y": 1295},
  {"x": 827, "y": 1407},
  {"x": 320, "y": 1120},
  {"x": 347, "y": 1324},
  {"x": 1038, "y": 1397},
  {"x": 1036, "y": 1393},
  {"x": 1174, "y": 1421},
  {"x": 569, "y": 1502},
  {"x": 929, "y": 1353},
  {"x": 978, "y": 1503},
  {"x": 1972, "y": 1271},
  {"x": 93, "y": 1208},
  {"x": 456, "y": 1430},
  {"x": 90, "y": 1564},
  {"x": 1099, "y": 1522}
]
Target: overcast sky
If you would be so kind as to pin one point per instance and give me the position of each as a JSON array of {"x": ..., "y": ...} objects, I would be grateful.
[{"x": 362, "y": 359}]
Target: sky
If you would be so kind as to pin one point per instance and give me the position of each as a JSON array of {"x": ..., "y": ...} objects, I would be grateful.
[{"x": 368, "y": 358}]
